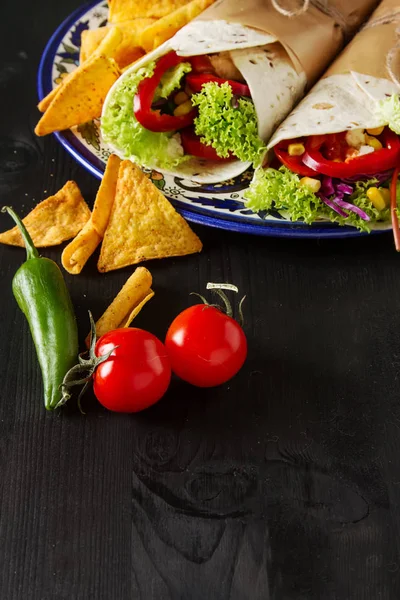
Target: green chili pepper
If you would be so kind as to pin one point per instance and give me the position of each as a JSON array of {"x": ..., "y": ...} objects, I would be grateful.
[{"x": 40, "y": 291}]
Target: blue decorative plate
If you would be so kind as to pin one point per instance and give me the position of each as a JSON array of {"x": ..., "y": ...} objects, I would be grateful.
[{"x": 217, "y": 205}]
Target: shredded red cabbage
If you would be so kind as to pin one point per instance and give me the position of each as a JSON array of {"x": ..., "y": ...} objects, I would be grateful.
[
  {"x": 352, "y": 208},
  {"x": 332, "y": 205},
  {"x": 327, "y": 187},
  {"x": 344, "y": 188},
  {"x": 336, "y": 190}
]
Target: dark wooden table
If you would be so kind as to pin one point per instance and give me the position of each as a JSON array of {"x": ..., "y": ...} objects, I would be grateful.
[{"x": 282, "y": 485}]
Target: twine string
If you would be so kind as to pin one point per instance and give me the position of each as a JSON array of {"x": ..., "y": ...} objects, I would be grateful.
[{"x": 321, "y": 5}]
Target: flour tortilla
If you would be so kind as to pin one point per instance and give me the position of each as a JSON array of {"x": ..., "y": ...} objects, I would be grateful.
[
  {"x": 337, "y": 103},
  {"x": 265, "y": 67},
  {"x": 203, "y": 37}
]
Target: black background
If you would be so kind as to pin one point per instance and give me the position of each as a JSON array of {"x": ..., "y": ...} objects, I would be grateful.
[{"x": 282, "y": 484}]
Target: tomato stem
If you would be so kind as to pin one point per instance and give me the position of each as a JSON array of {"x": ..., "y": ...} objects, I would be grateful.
[
  {"x": 240, "y": 309},
  {"x": 224, "y": 298},
  {"x": 200, "y": 296},
  {"x": 85, "y": 367},
  {"x": 218, "y": 288}
]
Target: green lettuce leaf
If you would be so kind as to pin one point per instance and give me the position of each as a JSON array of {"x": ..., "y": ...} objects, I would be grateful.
[
  {"x": 281, "y": 190},
  {"x": 389, "y": 109},
  {"x": 171, "y": 80},
  {"x": 226, "y": 128},
  {"x": 120, "y": 128},
  {"x": 360, "y": 199}
]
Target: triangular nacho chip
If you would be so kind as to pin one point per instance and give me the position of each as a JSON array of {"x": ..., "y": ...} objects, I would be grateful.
[
  {"x": 56, "y": 219},
  {"x": 125, "y": 10},
  {"x": 47, "y": 100},
  {"x": 78, "y": 252},
  {"x": 106, "y": 46},
  {"x": 81, "y": 96},
  {"x": 143, "y": 224},
  {"x": 128, "y": 49},
  {"x": 163, "y": 29}
]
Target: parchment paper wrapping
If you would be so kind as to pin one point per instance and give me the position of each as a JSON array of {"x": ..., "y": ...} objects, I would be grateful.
[
  {"x": 347, "y": 96},
  {"x": 311, "y": 39},
  {"x": 367, "y": 52}
]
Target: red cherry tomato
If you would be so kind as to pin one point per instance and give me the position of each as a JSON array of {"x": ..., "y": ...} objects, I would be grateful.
[
  {"x": 206, "y": 347},
  {"x": 136, "y": 375}
]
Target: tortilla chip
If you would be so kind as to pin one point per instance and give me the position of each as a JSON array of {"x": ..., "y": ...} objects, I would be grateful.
[
  {"x": 137, "y": 309},
  {"x": 90, "y": 40},
  {"x": 78, "y": 252},
  {"x": 125, "y": 10},
  {"x": 47, "y": 100},
  {"x": 128, "y": 50},
  {"x": 143, "y": 224},
  {"x": 109, "y": 43},
  {"x": 56, "y": 219},
  {"x": 81, "y": 97},
  {"x": 163, "y": 29},
  {"x": 107, "y": 46},
  {"x": 127, "y": 304},
  {"x": 106, "y": 195}
]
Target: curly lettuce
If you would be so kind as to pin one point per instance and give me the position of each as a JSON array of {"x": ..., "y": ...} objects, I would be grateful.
[
  {"x": 360, "y": 199},
  {"x": 171, "y": 80},
  {"x": 389, "y": 109},
  {"x": 228, "y": 124},
  {"x": 123, "y": 132},
  {"x": 281, "y": 190}
]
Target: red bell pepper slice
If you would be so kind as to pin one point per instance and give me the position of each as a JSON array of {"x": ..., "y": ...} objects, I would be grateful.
[
  {"x": 151, "y": 119},
  {"x": 393, "y": 209},
  {"x": 192, "y": 145},
  {"x": 196, "y": 81},
  {"x": 368, "y": 164},
  {"x": 294, "y": 163}
]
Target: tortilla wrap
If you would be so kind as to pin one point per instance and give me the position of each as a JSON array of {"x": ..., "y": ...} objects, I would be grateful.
[
  {"x": 271, "y": 51},
  {"x": 264, "y": 68},
  {"x": 347, "y": 96}
]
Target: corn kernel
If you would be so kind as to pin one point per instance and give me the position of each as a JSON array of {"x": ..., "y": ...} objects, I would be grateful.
[
  {"x": 373, "y": 142},
  {"x": 180, "y": 98},
  {"x": 314, "y": 185},
  {"x": 375, "y": 131},
  {"x": 380, "y": 197},
  {"x": 183, "y": 109},
  {"x": 296, "y": 149}
]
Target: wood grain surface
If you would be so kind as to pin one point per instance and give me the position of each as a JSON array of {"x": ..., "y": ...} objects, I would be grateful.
[{"x": 282, "y": 485}]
